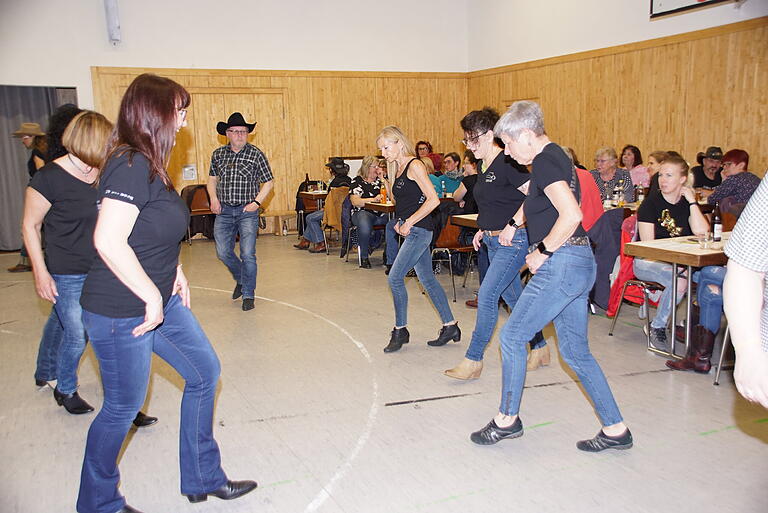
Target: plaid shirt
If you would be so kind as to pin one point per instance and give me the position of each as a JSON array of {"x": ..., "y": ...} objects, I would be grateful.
[
  {"x": 239, "y": 174},
  {"x": 748, "y": 245}
]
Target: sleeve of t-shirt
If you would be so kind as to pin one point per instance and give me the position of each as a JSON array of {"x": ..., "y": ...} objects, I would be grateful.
[
  {"x": 40, "y": 183},
  {"x": 646, "y": 213},
  {"x": 128, "y": 183},
  {"x": 548, "y": 171},
  {"x": 748, "y": 244}
]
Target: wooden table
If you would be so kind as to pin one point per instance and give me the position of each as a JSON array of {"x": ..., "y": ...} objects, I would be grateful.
[
  {"x": 679, "y": 251},
  {"x": 386, "y": 208},
  {"x": 465, "y": 220},
  {"x": 317, "y": 196}
]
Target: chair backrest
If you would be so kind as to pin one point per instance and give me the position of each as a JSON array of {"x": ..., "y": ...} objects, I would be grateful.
[
  {"x": 333, "y": 204},
  {"x": 729, "y": 220},
  {"x": 200, "y": 200},
  {"x": 449, "y": 237}
]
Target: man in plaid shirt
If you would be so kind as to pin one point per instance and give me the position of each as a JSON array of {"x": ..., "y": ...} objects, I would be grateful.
[{"x": 239, "y": 181}]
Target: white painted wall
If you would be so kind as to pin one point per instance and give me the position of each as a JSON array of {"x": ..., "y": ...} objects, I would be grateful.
[
  {"x": 54, "y": 43},
  {"x": 504, "y": 32}
]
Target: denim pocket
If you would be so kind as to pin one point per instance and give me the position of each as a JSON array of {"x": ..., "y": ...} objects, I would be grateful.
[{"x": 577, "y": 274}]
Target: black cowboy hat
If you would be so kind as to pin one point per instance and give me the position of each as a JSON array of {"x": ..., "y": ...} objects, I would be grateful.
[{"x": 235, "y": 119}]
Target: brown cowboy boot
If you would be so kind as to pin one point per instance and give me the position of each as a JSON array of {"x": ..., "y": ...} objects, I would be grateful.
[
  {"x": 688, "y": 362},
  {"x": 703, "y": 364},
  {"x": 303, "y": 244}
]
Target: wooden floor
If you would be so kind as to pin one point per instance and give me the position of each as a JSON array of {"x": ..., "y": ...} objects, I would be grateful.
[{"x": 311, "y": 407}]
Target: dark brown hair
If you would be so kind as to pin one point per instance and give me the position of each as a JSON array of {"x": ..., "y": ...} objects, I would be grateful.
[
  {"x": 425, "y": 143},
  {"x": 147, "y": 122},
  {"x": 635, "y": 151}
]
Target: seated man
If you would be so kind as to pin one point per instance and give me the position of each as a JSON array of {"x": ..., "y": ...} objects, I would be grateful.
[
  {"x": 313, "y": 239},
  {"x": 706, "y": 176}
]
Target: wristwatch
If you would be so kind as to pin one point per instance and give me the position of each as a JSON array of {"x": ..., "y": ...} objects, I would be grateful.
[
  {"x": 543, "y": 249},
  {"x": 513, "y": 224}
]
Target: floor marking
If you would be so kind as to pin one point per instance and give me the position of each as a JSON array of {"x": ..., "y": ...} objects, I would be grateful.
[
  {"x": 728, "y": 428},
  {"x": 426, "y": 399},
  {"x": 542, "y": 424},
  {"x": 373, "y": 411}
]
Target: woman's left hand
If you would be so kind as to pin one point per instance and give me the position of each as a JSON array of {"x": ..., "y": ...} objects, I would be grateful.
[
  {"x": 403, "y": 228},
  {"x": 506, "y": 235},
  {"x": 689, "y": 194},
  {"x": 181, "y": 287},
  {"x": 535, "y": 260}
]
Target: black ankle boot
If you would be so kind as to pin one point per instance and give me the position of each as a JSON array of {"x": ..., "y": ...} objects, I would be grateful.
[
  {"x": 447, "y": 333},
  {"x": 73, "y": 403},
  {"x": 144, "y": 420},
  {"x": 231, "y": 490},
  {"x": 399, "y": 337}
]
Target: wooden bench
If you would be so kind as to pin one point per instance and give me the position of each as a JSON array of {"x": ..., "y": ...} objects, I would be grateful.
[{"x": 277, "y": 217}]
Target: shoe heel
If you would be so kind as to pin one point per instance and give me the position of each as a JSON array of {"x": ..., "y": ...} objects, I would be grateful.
[{"x": 200, "y": 497}]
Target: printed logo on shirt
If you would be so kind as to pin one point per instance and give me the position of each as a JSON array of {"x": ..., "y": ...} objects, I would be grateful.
[
  {"x": 399, "y": 183},
  {"x": 489, "y": 177},
  {"x": 422, "y": 199},
  {"x": 110, "y": 192}
]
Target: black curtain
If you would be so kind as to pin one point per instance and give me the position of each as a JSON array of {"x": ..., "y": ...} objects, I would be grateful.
[{"x": 20, "y": 104}]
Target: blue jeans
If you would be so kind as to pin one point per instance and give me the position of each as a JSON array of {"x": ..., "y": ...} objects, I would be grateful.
[
  {"x": 229, "y": 223},
  {"x": 365, "y": 221},
  {"x": 314, "y": 230},
  {"x": 70, "y": 314},
  {"x": 415, "y": 254},
  {"x": 501, "y": 280},
  {"x": 710, "y": 302},
  {"x": 660, "y": 272},
  {"x": 392, "y": 240},
  {"x": 48, "y": 352},
  {"x": 124, "y": 361},
  {"x": 558, "y": 292}
]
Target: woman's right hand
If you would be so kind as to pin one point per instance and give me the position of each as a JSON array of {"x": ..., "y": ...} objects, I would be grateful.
[
  {"x": 45, "y": 286},
  {"x": 153, "y": 317},
  {"x": 477, "y": 239}
]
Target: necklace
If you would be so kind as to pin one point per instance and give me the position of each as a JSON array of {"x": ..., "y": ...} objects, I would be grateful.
[{"x": 85, "y": 173}]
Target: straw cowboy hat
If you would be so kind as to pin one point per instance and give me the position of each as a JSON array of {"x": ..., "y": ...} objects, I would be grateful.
[
  {"x": 28, "y": 129},
  {"x": 235, "y": 119}
]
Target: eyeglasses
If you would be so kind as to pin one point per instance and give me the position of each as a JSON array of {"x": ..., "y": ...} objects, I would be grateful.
[
  {"x": 422, "y": 148},
  {"x": 237, "y": 132},
  {"x": 473, "y": 139},
  {"x": 603, "y": 161}
]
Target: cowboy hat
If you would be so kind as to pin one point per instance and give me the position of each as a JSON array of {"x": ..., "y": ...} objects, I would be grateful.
[
  {"x": 235, "y": 119},
  {"x": 28, "y": 129}
]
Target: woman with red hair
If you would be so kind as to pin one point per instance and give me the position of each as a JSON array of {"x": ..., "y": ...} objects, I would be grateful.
[{"x": 738, "y": 183}]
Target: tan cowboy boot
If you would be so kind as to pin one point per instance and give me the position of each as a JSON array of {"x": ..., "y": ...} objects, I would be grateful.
[
  {"x": 538, "y": 358},
  {"x": 467, "y": 369}
]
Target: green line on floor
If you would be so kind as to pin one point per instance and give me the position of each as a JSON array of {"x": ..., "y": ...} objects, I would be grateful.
[
  {"x": 726, "y": 428},
  {"x": 540, "y": 425},
  {"x": 761, "y": 421}
]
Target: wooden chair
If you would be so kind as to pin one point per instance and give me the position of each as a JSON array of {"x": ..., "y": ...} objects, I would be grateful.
[
  {"x": 199, "y": 204},
  {"x": 332, "y": 212},
  {"x": 448, "y": 243}
]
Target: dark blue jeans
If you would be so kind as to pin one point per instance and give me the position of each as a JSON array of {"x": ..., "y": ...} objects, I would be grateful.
[
  {"x": 558, "y": 292},
  {"x": 502, "y": 279},
  {"x": 314, "y": 230},
  {"x": 365, "y": 221},
  {"x": 710, "y": 301},
  {"x": 415, "y": 254},
  {"x": 124, "y": 361},
  {"x": 48, "y": 351},
  {"x": 70, "y": 314},
  {"x": 229, "y": 223}
]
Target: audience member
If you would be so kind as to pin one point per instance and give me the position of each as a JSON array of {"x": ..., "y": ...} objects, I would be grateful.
[
  {"x": 672, "y": 212},
  {"x": 450, "y": 179},
  {"x": 632, "y": 160},
  {"x": 654, "y": 164},
  {"x": 424, "y": 149},
  {"x": 738, "y": 183},
  {"x": 366, "y": 188},
  {"x": 707, "y": 175},
  {"x": 607, "y": 176},
  {"x": 415, "y": 199}
]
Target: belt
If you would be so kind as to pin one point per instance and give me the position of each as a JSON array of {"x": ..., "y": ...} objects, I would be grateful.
[
  {"x": 237, "y": 204},
  {"x": 492, "y": 233},
  {"x": 580, "y": 240}
]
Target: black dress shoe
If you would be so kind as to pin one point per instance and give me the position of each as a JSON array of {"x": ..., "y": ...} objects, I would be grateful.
[
  {"x": 128, "y": 509},
  {"x": 365, "y": 263},
  {"x": 399, "y": 337},
  {"x": 231, "y": 490},
  {"x": 492, "y": 433},
  {"x": 601, "y": 442},
  {"x": 237, "y": 292},
  {"x": 143, "y": 420},
  {"x": 387, "y": 269},
  {"x": 247, "y": 304},
  {"x": 447, "y": 333},
  {"x": 73, "y": 403},
  {"x": 40, "y": 383}
]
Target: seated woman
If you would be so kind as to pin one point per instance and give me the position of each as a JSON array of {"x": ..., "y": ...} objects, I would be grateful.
[
  {"x": 632, "y": 160},
  {"x": 672, "y": 212},
  {"x": 451, "y": 177},
  {"x": 607, "y": 176},
  {"x": 654, "y": 165},
  {"x": 464, "y": 195},
  {"x": 366, "y": 188},
  {"x": 738, "y": 183},
  {"x": 313, "y": 235},
  {"x": 424, "y": 150}
]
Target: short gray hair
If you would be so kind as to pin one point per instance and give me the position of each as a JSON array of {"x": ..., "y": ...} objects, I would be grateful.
[{"x": 520, "y": 115}]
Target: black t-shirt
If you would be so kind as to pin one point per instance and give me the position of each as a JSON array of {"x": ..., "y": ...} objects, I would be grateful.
[
  {"x": 365, "y": 189},
  {"x": 408, "y": 199},
  {"x": 702, "y": 180},
  {"x": 31, "y": 166},
  {"x": 497, "y": 193},
  {"x": 70, "y": 221},
  {"x": 550, "y": 166},
  {"x": 160, "y": 226},
  {"x": 654, "y": 185},
  {"x": 668, "y": 220},
  {"x": 470, "y": 205}
]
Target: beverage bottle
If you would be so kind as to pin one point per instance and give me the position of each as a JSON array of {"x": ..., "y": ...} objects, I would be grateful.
[
  {"x": 615, "y": 196},
  {"x": 639, "y": 193},
  {"x": 717, "y": 224},
  {"x": 443, "y": 187},
  {"x": 383, "y": 192},
  {"x": 607, "y": 203}
]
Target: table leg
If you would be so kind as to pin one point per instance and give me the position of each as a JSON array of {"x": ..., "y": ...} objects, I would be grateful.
[
  {"x": 688, "y": 302},
  {"x": 673, "y": 298}
]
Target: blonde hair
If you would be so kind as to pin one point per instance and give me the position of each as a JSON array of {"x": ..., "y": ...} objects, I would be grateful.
[
  {"x": 606, "y": 151},
  {"x": 394, "y": 134},
  {"x": 428, "y": 164},
  {"x": 86, "y": 137},
  {"x": 368, "y": 161}
]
